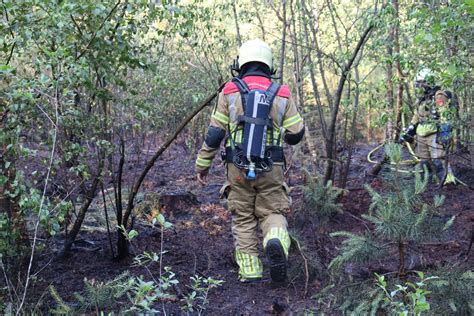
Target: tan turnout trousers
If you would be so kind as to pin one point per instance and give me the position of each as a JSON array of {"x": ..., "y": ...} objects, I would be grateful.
[
  {"x": 427, "y": 148},
  {"x": 253, "y": 204}
]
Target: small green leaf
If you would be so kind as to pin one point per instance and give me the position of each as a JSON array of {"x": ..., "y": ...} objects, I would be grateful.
[
  {"x": 161, "y": 219},
  {"x": 132, "y": 234},
  {"x": 3, "y": 179},
  {"x": 452, "y": 69},
  {"x": 452, "y": 306}
]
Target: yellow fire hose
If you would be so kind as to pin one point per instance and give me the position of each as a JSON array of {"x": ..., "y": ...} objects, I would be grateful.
[
  {"x": 403, "y": 162},
  {"x": 451, "y": 178}
]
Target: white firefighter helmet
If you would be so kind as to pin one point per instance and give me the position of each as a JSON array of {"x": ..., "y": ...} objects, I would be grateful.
[
  {"x": 255, "y": 50},
  {"x": 424, "y": 74}
]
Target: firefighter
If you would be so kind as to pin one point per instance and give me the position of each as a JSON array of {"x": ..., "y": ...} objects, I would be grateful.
[
  {"x": 255, "y": 189},
  {"x": 431, "y": 123}
]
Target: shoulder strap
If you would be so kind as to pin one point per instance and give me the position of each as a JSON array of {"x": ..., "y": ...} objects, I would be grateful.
[
  {"x": 272, "y": 92},
  {"x": 243, "y": 89},
  {"x": 241, "y": 85}
]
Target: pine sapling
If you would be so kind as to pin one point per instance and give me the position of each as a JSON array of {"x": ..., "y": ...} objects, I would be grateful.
[
  {"x": 399, "y": 215},
  {"x": 321, "y": 200}
]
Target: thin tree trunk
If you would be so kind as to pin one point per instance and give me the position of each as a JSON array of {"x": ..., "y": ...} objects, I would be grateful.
[
  {"x": 368, "y": 122},
  {"x": 319, "y": 55},
  {"x": 346, "y": 126},
  {"x": 410, "y": 100},
  {"x": 400, "y": 77},
  {"x": 471, "y": 143},
  {"x": 106, "y": 213},
  {"x": 310, "y": 140},
  {"x": 330, "y": 143},
  {"x": 122, "y": 244},
  {"x": 389, "y": 81},
  {"x": 334, "y": 24},
  {"x": 89, "y": 197},
  {"x": 401, "y": 255},
  {"x": 260, "y": 23},
  {"x": 297, "y": 60},
  {"x": 283, "y": 44},
  {"x": 353, "y": 129},
  {"x": 314, "y": 84},
  {"x": 236, "y": 19}
]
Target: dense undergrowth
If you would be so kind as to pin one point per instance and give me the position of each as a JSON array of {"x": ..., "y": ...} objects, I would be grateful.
[{"x": 91, "y": 90}]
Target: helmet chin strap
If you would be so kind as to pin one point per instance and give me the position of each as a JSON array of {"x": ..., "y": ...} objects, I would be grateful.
[
  {"x": 273, "y": 74},
  {"x": 235, "y": 68}
]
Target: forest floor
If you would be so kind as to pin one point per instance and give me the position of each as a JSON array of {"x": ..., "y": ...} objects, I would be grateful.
[{"x": 201, "y": 242}]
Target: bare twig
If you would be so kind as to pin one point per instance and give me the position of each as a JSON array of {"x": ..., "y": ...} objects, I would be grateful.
[
  {"x": 151, "y": 162},
  {"x": 7, "y": 280},
  {"x": 314, "y": 84},
  {"x": 46, "y": 114},
  {"x": 10, "y": 56},
  {"x": 43, "y": 197},
  {"x": 4, "y": 115},
  {"x": 44, "y": 267},
  {"x": 107, "y": 219},
  {"x": 306, "y": 269},
  {"x": 359, "y": 219},
  {"x": 283, "y": 43},
  {"x": 77, "y": 26}
]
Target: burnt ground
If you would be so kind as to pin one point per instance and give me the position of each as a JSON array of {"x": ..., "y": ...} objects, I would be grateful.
[{"x": 201, "y": 242}]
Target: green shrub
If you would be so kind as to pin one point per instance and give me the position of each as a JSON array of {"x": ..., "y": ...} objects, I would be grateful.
[{"x": 196, "y": 300}]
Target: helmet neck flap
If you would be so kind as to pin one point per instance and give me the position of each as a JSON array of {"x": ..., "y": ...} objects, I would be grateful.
[{"x": 255, "y": 69}]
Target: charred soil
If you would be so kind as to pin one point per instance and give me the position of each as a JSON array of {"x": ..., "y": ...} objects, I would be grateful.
[{"x": 201, "y": 242}]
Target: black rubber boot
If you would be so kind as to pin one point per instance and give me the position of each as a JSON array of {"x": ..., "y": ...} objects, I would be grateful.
[
  {"x": 276, "y": 256},
  {"x": 250, "y": 280}
]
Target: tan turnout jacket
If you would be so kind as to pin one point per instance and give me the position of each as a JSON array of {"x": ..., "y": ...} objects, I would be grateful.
[{"x": 284, "y": 114}]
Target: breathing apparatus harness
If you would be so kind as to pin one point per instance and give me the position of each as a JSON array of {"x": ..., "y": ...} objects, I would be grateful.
[{"x": 253, "y": 156}]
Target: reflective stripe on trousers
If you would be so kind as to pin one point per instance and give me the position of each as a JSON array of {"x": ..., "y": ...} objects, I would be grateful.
[
  {"x": 282, "y": 235},
  {"x": 249, "y": 266}
]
